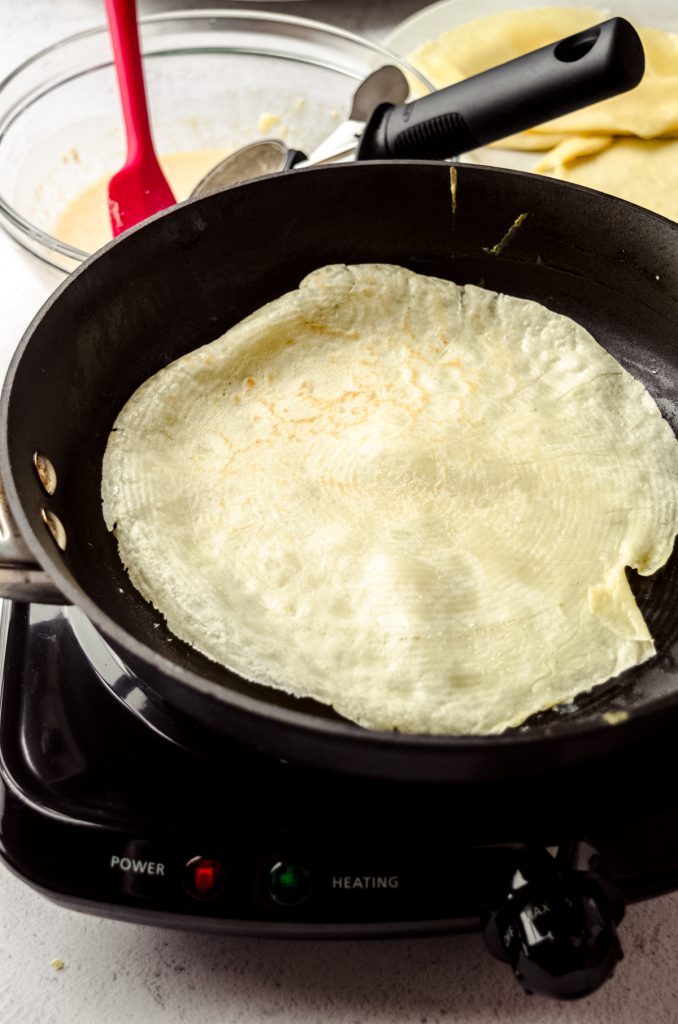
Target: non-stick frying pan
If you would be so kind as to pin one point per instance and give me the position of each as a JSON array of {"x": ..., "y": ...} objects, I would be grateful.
[{"x": 183, "y": 278}]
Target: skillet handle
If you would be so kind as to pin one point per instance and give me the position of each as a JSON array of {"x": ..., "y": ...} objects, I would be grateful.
[
  {"x": 21, "y": 578},
  {"x": 602, "y": 61}
]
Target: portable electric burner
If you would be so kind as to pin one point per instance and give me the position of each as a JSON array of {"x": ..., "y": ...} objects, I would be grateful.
[
  {"x": 104, "y": 813},
  {"x": 147, "y": 782}
]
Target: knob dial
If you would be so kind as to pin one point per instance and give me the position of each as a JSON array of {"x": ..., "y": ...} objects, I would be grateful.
[{"x": 557, "y": 924}]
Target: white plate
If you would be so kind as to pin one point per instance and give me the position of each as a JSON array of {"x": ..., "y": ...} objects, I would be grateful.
[{"x": 430, "y": 22}]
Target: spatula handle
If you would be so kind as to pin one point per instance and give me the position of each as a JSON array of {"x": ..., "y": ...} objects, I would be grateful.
[
  {"x": 122, "y": 22},
  {"x": 592, "y": 65}
]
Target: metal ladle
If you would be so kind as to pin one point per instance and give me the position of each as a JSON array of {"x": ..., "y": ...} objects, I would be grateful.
[{"x": 270, "y": 156}]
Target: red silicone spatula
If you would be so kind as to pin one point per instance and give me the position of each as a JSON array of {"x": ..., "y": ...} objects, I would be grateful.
[{"x": 139, "y": 189}]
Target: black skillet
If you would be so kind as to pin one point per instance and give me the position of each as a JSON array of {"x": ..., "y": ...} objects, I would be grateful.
[
  {"x": 119, "y": 321},
  {"x": 183, "y": 278}
]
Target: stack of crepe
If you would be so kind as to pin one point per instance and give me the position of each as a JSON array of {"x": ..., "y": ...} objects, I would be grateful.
[{"x": 626, "y": 146}]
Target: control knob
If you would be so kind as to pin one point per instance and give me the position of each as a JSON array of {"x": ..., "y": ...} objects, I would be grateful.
[{"x": 557, "y": 924}]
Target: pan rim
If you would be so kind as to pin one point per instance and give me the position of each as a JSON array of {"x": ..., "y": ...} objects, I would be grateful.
[{"x": 531, "y": 738}]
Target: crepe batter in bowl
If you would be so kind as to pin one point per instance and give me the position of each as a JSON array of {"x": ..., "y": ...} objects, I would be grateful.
[{"x": 215, "y": 80}]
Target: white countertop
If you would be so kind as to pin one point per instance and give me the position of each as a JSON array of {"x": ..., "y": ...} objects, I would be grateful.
[{"x": 121, "y": 972}]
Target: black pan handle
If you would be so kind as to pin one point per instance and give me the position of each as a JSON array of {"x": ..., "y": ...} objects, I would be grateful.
[{"x": 592, "y": 65}]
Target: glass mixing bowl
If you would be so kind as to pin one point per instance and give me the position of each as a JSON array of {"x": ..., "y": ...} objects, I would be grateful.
[{"x": 215, "y": 80}]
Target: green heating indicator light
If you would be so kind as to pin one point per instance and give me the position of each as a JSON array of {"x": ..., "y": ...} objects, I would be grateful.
[{"x": 289, "y": 884}]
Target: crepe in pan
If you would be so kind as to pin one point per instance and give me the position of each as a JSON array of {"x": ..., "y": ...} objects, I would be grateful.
[{"x": 412, "y": 500}]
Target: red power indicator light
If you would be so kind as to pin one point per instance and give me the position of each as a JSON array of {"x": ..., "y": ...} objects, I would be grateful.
[{"x": 204, "y": 878}]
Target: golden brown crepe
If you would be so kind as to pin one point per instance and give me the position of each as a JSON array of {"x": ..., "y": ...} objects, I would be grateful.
[{"x": 409, "y": 499}]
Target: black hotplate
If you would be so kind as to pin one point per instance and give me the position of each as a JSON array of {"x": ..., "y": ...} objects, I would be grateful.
[{"x": 102, "y": 812}]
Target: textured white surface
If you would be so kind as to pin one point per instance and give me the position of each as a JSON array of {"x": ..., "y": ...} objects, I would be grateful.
[{"x": 119, "y": 972}]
